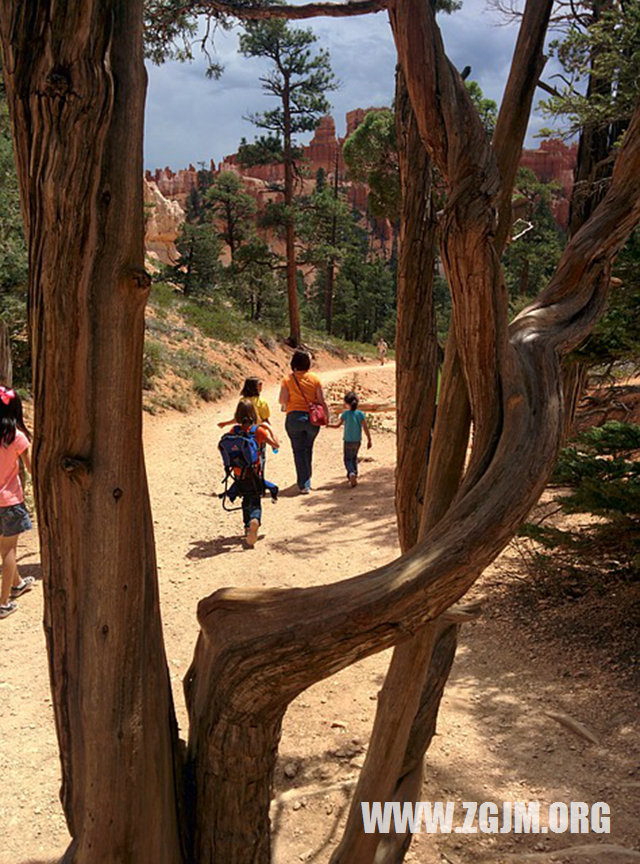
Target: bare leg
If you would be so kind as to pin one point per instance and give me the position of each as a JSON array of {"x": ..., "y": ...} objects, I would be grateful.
[{"x": 8, "y": 546}]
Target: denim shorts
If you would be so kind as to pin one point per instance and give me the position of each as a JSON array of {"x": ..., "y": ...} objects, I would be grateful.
[{"x": 14, "y": 520}]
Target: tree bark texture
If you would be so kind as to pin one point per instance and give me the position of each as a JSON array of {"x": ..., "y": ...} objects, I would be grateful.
[
  {"x": 416, "y": 342},
  {"x": 76, "y": 83}
]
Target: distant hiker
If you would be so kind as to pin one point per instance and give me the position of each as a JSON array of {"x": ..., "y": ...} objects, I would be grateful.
[
  {"x": 382, "y": 350},
  {"x": 242, "y": 452},
  {"x": 14, "y": 519},
  {"x": 354, "y": 421},
  {"x": 302, "y": 398}
]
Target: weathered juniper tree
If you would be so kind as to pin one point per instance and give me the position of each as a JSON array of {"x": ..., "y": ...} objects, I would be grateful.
[{"x": 131, "y": 793}]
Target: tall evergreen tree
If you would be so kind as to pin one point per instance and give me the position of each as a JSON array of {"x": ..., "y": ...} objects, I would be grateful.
[
  {"x": 299, "y": 80},
  {"x": 232, "y": 208}
]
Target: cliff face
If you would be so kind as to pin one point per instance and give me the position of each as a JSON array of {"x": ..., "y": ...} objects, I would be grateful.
[
  {"x": 552, "y": 161},
  {"x": 163, "y": 219}
]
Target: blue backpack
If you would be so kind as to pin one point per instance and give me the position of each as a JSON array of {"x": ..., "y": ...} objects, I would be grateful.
[{"x": 242, "y": 462}]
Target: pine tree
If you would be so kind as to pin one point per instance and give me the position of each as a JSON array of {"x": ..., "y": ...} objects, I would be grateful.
[{"x": 299, "y": 81}]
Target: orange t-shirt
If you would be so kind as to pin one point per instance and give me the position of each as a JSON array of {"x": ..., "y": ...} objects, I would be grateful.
[{"x": 309, "y": 383}]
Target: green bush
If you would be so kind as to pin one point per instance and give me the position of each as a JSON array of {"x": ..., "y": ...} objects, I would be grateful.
[
  {"x": 154, "y": 361},
  {"x": 218, "y": 320},
  {"x": 600, "y": 475},
  {"x": 207, "y": 387},
  {"x": 163, "y": 296}
]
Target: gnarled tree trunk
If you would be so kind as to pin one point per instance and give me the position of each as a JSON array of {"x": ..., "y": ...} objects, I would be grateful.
[{"x": 76, "y": 83}]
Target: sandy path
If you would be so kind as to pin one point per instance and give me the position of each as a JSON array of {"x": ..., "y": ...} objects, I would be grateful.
[{"x": 494, "y": 742}]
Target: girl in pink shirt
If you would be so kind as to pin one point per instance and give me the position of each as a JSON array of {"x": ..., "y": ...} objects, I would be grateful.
[{"x": 14, "y": 519}]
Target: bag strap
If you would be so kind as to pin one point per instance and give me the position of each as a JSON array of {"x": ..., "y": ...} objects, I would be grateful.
[{"x": 293, "y": 375}]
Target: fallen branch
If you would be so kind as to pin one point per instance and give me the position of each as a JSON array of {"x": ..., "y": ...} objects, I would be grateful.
[
  {"x": 311, "y": 791},
  {"x": 574, "y": 725}
]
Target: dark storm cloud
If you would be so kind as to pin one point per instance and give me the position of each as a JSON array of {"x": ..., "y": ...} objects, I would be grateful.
[{"x": 191, "y": 118}]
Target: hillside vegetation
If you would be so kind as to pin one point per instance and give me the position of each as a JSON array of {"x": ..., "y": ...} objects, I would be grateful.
[{"x": 196, "y": 350}]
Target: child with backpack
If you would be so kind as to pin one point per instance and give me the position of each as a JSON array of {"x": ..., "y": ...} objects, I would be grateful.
[
  {"x": 354, "y": 422},
  {"x": 242, "y": 452},
  {"x": 14, "y": 519}
]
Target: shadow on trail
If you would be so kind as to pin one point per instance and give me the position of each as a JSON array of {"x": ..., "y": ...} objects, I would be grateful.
[
  {"x": 290, "y": 491},
  {"x": 201, "y": 549},
  {"x": 34, "y": 570},
  {"x": 335, "y": 508}
]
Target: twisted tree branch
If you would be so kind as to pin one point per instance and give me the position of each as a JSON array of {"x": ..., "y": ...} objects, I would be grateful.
[{"x": 248, "y": 12}]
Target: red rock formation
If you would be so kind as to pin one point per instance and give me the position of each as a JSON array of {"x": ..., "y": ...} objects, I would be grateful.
[{"x": 554, "y": 161}]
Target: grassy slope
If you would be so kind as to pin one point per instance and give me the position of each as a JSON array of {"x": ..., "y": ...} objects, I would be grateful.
[{"x": 196, "y": 350}]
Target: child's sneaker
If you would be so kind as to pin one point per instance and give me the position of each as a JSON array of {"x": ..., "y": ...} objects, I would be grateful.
[
  {"x": 26, "y": 584},
  {"x": 353, "y": 480},
  {"x": 252, "y": 533},
  {"x": 8, "y": 608}
]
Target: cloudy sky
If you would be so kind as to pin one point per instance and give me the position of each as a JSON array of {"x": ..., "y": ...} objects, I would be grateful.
[{"x": 191, "y": 118}]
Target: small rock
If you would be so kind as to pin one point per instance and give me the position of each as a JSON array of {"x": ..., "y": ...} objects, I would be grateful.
[
  {"x": 296, "y": 805},
  {"x": 338, "y": 724},
  {"x": 290, "y": 770}
]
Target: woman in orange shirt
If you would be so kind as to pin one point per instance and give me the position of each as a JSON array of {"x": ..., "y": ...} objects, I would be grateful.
[{"x": 297, "y": 391}]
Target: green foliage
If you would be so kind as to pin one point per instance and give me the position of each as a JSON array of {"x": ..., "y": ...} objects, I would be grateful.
[
  {"x": 171, "y": 31},
  {"x": 231, "y": 205},
  {"x": 199, "y": 269},
  {"x": 13, "y": 249},
  {"x": 256, "y": 285},
  {"x": 616, "y": 337},
  {"x": 364, "y": 305},
  {"x": 163, "y": 296},
  {"x": 154, "y": 361},
  {"x": 217, "y": 320},
  {"x": 13, "y": 252},
  {"x": 371, "y": 155},
  {"x": 325, "y": 227},
  {"x": 487, "y": 108},
  {"x": 265, "y": 150},
  {"x": 607, "y": 51},
  {"x": 297, "y": 76},
  {"x": 207, "y": 387},
  {"x": 531, "y": 259},
  {"x": 602, "y": 473}
]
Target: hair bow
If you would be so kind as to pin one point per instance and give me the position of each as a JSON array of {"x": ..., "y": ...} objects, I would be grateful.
[{"x": 6, "y": 395}]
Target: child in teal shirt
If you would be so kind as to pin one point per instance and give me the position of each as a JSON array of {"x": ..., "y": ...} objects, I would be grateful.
[{"x": 354, "y": 422}]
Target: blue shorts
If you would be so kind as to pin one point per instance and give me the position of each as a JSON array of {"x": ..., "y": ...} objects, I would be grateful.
[{"x": 14, "y": 520}]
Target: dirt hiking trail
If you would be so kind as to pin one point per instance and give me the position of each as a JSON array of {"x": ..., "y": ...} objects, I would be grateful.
[{"x": 494, "y": 743}]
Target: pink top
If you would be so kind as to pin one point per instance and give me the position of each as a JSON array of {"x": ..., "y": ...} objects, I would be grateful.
[{"x": 10, "y": 485}]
